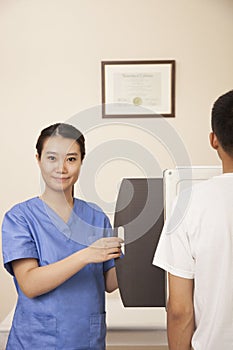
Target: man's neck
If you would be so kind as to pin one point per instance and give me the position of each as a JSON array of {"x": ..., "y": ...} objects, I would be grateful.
[{"x": 227, "y": 164}]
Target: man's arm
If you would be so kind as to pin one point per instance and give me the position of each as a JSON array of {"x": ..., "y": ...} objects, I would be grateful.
[{"x": 180, "y": 313}]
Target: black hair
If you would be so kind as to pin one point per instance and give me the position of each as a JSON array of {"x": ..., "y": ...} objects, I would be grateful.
[
  {"x": 222, "y": 121},
  {"x": 64, "y": 130}
]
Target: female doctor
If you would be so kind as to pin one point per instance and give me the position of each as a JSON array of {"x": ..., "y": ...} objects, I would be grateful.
[{"x": 61, "y": 253}]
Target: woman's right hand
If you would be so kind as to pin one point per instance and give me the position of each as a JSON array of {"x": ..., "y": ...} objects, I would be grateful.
[
  {"x": 104, "y": 249},
  {"x": 35, "y": 280}
]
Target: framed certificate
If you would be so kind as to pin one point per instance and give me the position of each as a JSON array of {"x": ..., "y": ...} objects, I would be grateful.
[{"x": 138, "y": 89}]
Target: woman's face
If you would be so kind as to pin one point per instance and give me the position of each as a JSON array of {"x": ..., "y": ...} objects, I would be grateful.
[{"x": 60, "y": 163}]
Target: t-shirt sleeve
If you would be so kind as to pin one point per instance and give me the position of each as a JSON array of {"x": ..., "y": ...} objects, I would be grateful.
[
  {"x": 108, "y": 233},
  {"x": 17, "y": 241},
  {"x": 173, "y": 253}
]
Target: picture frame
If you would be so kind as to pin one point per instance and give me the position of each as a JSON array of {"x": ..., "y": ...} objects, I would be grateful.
[{"x": 138, "y": 89}]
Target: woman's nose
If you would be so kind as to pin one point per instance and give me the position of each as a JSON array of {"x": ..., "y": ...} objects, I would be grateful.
[{"x": 61, "y": 167}]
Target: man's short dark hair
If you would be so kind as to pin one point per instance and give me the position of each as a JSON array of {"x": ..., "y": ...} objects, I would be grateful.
[{"x": 222, "y": 121}]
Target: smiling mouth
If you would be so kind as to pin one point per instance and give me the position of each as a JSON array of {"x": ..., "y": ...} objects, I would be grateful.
[{"x": 61, "y": 179}]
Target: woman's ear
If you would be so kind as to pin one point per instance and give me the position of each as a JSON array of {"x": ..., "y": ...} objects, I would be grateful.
[
  {"x": 38, "y": 158},
  {"x": 214, "y": 140}
]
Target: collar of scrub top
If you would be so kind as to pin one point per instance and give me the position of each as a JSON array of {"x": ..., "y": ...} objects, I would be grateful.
[{"x": 77, "y": 229}]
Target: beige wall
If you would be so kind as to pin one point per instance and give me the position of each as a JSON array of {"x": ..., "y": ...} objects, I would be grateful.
[{"x": 50, "y": 70}]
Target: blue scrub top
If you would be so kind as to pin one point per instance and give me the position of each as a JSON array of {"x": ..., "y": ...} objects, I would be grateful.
[{"x": 72, "y": 316}]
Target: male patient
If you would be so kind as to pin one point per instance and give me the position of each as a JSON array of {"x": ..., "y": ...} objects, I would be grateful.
[{"x": 197, "y": 251}]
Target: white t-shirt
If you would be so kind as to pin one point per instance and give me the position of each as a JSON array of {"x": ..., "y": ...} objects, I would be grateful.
[{"x": 199, "y": 246}]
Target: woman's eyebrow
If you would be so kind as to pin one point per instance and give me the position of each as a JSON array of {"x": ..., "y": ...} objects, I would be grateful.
[
  {"x": 72, "y": 154},
  {"x": 67, "y": 154}
]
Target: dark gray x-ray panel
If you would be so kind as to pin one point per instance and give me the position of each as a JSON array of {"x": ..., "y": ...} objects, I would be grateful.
[{"x": 139, "y": 209}]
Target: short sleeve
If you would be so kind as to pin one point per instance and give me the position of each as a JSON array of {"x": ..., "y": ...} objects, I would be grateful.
[
  {"x": 173, "y": 253},
  {"x": 109, "y": 232},
  {"x": 17, "y": 241}
]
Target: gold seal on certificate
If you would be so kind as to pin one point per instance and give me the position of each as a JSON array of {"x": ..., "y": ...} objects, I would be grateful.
[{"x": 137, "y": 101}]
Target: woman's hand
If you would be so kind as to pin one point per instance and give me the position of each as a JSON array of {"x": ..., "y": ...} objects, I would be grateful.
[
  {"x": 104, "y": 249},
  {"x": 35, "y": 280}
]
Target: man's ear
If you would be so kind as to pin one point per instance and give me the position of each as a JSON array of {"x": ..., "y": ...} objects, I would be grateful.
[{"x": 214, "y": 140}]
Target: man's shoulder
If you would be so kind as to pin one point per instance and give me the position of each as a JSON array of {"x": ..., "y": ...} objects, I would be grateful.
[
  {"x": 201, "y": 189},
  {"x": 196, "y": 197}
]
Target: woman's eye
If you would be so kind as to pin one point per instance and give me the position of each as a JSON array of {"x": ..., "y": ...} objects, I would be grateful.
[
  {"x": 71, "y": 159},
  {"x": 51, "y": 158}
]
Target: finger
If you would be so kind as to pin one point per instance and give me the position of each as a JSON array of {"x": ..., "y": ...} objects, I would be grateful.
[
  {"x": 113, "y": 245},
  {"x": 114, "y": 250},
  {"x": 113, "y": 242},
  {"x": 113, "y": 256},
  {"x": 107, "y": 242},
  {"x": 114, "y": 239}
]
